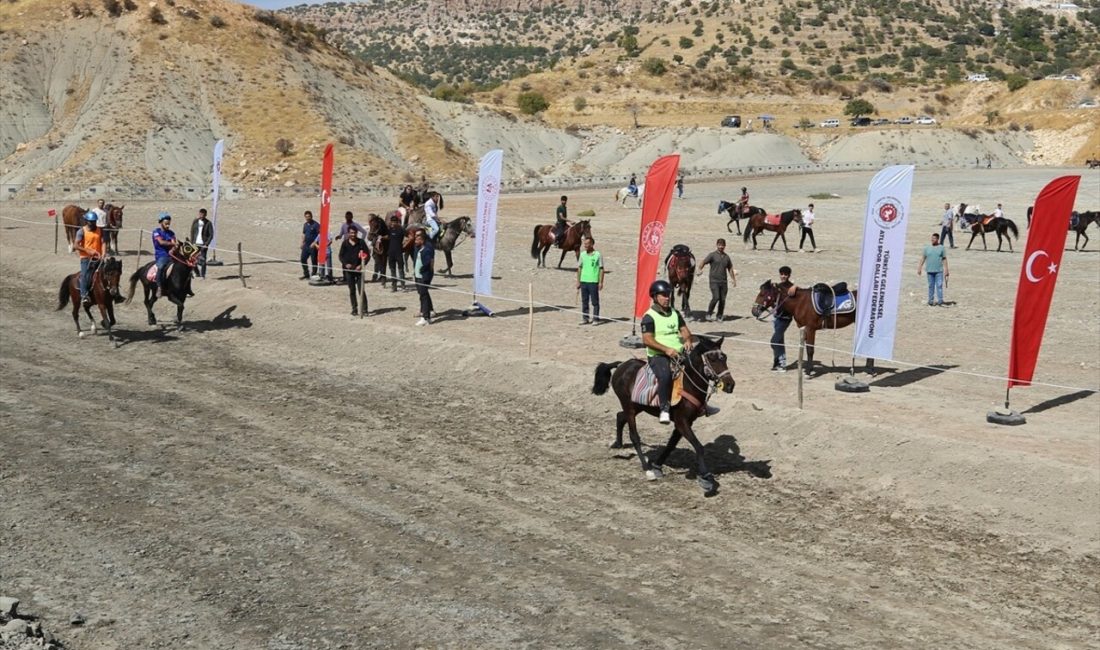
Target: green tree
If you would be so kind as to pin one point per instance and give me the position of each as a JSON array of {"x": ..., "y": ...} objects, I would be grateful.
[
  {"x": 654, "y": 66},
  {"x": 1016, "y": 81},
  {"x": 858, "y": 107},
  {"x": 531, "y": 103}
]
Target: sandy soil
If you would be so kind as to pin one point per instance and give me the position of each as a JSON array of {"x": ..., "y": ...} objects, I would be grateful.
[{"x": 281, "y": 475}]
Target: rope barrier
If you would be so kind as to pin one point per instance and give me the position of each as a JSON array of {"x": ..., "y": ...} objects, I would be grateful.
[{"x": 624, "y": 321}]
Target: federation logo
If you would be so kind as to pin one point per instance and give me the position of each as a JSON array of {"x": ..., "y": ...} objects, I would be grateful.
[
  {"x": 887, "y": 213},
  {"x": 491, "y": 187},
  {"x": 652, "y": 236}
]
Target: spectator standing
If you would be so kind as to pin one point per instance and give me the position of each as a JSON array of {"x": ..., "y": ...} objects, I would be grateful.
[
  {"x": 590, "y": 280},
  {"x": 353, "y": 255},
  {"x": 720, "y": 265},
  {"x": 202, "y": 232},
  {"x": 780, "y": 322},
  {"x": 394, "y": 251},
  {"x": 680, "y": 186},
  {"x": 934, "y": 261},
  {"x": 89, "y": 245},
  {"x": 101, "y": 214},
  {"x": 947, "y": 225},
  {"x": 324, "y": 271},
  {"x": 808, "y": 228},
  {"x": 423, "y": 271},
  {"x": 310, "y": 230}
]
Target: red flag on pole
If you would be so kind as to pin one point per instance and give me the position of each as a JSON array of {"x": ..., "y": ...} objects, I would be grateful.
[
  {"x": 656, "y": 201},
  {"x": 51, "y": 213},
  {"x": 1045, "y": 243},
  {"x": 326, "y": 200}
]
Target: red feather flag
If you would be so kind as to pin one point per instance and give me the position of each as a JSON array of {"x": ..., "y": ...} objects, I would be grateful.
[
  {"x": 659, "y": 183},
  {"x": 326, "y": 202},
  {"x": 1045, "y": 243}
]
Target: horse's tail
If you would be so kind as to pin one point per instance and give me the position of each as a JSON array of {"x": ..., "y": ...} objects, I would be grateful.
[
  {"x": 603, "y": 377},
  {"x": 133, "y": 284},
  {"x": 1012, "y": 228},
  {"x": 535, "y": 243},
  {"x": 63, "y": 294}
]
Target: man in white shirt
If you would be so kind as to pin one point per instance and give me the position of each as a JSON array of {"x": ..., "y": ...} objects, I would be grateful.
[
  {"x": 947, "y": 225},
  {"x": 808, "y": 228},
  {"x": 202, "y": 234},
  {"x": 998, "y": 213},
  {"x": 431, "y": 215}
]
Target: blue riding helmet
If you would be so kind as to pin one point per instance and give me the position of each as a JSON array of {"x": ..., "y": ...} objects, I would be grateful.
[
  {"x": 90, "y": 216},
  {"x": 162, "y": 216}
]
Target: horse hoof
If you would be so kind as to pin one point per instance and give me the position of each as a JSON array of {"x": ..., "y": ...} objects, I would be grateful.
[
  {"x": 615, "y": 445},
  {"x": 654, "y": 473},
  {"x": 80, "y": 334},
  {"x": 708, "y": 483}
]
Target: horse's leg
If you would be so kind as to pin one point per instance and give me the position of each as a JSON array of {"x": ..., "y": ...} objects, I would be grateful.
[
  {"x": 75, "y": 299},
  {"x": 972, "y": 236},
  {"x": 811, "y": 335},
  {"x": 447, "y": 254},
  {"x": 704, "y": 477},
  {"x": 651, "y": 472},
  {"x": 755, "y": 232},
  {"x": 981, "y": 231},
  {"x": 562, "y": 258},
  {"x": 737, "y": 221},
  {"x": 673, "y": 440},
  {"x": 106, "y": 322},
  {"x": 179, "y": 316},
  {"x": 150, "y": 299}
]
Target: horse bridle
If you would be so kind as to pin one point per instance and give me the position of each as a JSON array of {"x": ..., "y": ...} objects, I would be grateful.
[
  {"x": 765, "y": 311},
  {"x": 709, "y": 375}
]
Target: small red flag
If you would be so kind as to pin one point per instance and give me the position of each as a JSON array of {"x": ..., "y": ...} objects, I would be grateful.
[
  {"x": 656, "y": 200},
  {"x": 51, "y": 213},
  {"x": 1045, "y": 243}
]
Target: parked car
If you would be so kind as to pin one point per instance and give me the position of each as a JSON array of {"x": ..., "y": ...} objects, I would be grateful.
[
  {"x": 861, "y": 121},
  {"x": 731, "y": 120},
  {"x": 924, "y": 119},
  {"x": 903, "y": 120},
  {"x": 880, "y": 121},
  {"x": 829, "y": 124}
]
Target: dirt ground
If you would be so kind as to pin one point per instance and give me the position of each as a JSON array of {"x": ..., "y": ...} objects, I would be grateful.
[{"x": 281, "y": 475}]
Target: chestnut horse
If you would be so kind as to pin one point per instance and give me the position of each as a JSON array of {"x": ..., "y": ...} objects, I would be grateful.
[
  {"x": 736, "y": 215},
  {"x": 704, "y": 367},
  {"x": 800, "y": 307},
  {"x": 757, "y": 224},
  {"x": 544, "y": 239},
  {"x": 103, "y": 292},
  {"x": 72, "y": 217},
  {"x": 680, "y": 265}
]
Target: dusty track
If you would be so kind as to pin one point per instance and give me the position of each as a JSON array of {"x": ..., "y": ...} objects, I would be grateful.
[{"x": 216, "y": 489}]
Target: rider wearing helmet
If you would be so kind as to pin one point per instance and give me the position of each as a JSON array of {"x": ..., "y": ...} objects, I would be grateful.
[
  {"x": 632, "y": 186},
  {"x": 665, "y": 335},
  {"x": 163, "y": 241},
  {"x": 89, "y": 244},
  {"x": 743, "y": 202}
]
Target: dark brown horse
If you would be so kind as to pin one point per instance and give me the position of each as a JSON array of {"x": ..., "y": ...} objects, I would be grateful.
[
  {"x": 758, "y": 222},
  {"x": 1078, "y": 222},
  {"x": 800, "y": 307},
  {"x": 72, "y": 217},
  {"x": 705, "y": 366},
  {"x": 736, "y": 215},
  {"x": 1000, "y": 225},
  {"x": 378, "y": 234},
  {"x": 544, "y": 239},
  {"x": 451, "y": 234},
  {"x": 680, "y": 265},
  {"x": 176, "y": 284},
  {"x": 103, "y": 292}
]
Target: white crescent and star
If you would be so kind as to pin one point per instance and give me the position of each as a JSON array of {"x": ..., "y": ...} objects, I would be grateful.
[{"x": 1051, "y": 269}]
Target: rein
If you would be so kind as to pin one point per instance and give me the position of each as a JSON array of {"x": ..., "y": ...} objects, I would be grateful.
[{"x": 708, "y": 375}]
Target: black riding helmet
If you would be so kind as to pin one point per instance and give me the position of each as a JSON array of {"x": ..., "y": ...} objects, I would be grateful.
[{"x": 659, "y": 287}]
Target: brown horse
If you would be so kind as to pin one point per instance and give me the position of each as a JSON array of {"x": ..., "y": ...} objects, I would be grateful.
[
  {"x": 680, "y": 265},
  {"x": 103, "y": 292},
  {"x": 544, "y": 239},
  {"x": 73, "y": 218},
  {"x": 800, "y": 307},
  {"x": 378, "y": 235},
  {"x": 705, "y": 366},
  {"x": 758, "y": 223},
  {"x": 735, "y": 214}
]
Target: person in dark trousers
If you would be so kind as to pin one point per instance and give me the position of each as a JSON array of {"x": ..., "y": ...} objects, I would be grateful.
[
  {"x": 310, "y": 230},
  {"x": 423, "y": 271},
  {"x": 395, "y": 250},
  {"x": 720, "y": 265},
  {"x": 947, "y": 225},
  {"x": 808, "y": 218},
  {"x": 781, "y": 323},
  {"x": 590, "y": 280},
  {"x": 202, "y": 232},
  {"x": 353, "y": 256},
  {"x": 665, "y": 335}
]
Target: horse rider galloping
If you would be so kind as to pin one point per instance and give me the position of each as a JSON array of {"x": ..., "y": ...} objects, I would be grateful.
[{"x": 89, "y": 244}]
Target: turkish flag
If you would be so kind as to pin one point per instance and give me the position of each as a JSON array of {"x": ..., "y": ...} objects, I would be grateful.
[
  {"x": 656, "y": 200},
  {"x": 51, "y": 213},
  {"x": 326, "y": 202},
  {"x": 1045, "y": 243}
]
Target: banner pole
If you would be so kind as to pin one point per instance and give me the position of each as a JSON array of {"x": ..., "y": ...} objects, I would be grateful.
[
  {"x": 801, "y": 350},
  {"x": 141, "y": 238},
  {"x": 530, "y": 316},
  {"x": 1007, "y": 389},
  {"x": 240, "y": 265},
  {"x": 55, "y": 234}
]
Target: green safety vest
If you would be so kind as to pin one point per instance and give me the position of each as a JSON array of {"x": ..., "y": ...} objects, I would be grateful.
[
  {"x": 666, "y": 331},
  {"x": 590, "y": 267}
]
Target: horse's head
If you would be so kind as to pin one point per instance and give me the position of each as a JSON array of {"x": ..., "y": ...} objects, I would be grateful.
[
  {"x": 187, "y": 252},
  {"x": 466, "y": 225},
  {"x": 794, "y": 215},
  {"x": 765, "y": 301},
  {"x": 111, "y": 274},
  {"x": 708, "y": 360},
  {"x": 375, "y": 224},
  {"x": 114, "y": 215},
  {"x": 584, "y": 228}
]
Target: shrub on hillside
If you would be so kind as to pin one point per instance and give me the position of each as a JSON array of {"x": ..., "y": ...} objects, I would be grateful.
[
  {"x": 157, "y": 16},
  {"x": 654, "y": 66},
  {"x": 217, "y": 21},
  {"x": 113, "y": 7},
  {"x": 1016, "y": 81},
  {"x": 859, "y": 107},
  {"x": 284, "y": 146},
  {"x": 532, "y": 103},
  {"x": 579, "y": 103},
  {"x": 130, "y": 5}
]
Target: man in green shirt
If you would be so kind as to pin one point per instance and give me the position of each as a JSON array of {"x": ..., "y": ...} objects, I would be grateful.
[
  {"x": 934, "y": 261},
  {"x": 665, "y": 335},
  {"x": 590, "y": 280}
]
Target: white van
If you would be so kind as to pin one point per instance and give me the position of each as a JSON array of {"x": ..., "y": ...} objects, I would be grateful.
[{"x": 830, "y": 124}]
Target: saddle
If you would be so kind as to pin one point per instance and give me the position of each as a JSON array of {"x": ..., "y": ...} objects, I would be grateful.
[
  {"x": 773, "y": 219},
  {"x": 836, "y": 299},
  {"x": 986, "y": 220},
  {"x": 645, "y": 388},
  {"x": 151, "y": 274}
]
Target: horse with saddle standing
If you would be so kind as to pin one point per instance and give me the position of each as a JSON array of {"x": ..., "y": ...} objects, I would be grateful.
[{"x": 822, "y": 307}]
